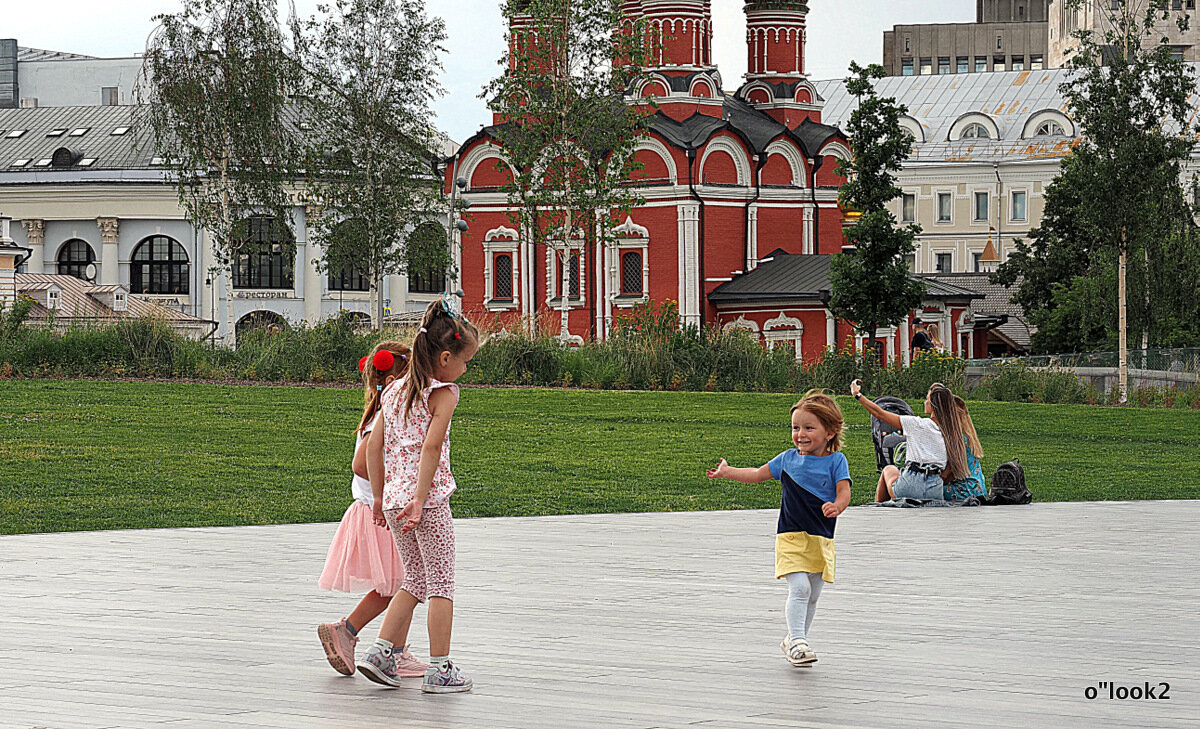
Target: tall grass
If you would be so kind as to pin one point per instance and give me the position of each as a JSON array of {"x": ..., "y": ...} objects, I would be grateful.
[{"x": 648, "y": 350}]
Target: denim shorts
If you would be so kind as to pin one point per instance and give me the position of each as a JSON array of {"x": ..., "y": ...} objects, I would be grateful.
[{"x": 917, "y": 485}]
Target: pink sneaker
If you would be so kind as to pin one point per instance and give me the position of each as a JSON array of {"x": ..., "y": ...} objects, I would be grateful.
[
  {"x": 408, "y": 665},
  {"x": 339, "y": 644}
]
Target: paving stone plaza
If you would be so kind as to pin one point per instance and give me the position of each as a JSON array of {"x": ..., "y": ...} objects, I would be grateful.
[{"x": 986, "y": 617}]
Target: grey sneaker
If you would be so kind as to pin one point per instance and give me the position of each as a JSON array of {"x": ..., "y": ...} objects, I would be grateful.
[
  {"x": 379, "y": 665},
  {"x": 448, "y": 681}
]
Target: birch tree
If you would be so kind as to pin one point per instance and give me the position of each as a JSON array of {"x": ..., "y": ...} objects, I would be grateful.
[{"x": 214, "y": 94}]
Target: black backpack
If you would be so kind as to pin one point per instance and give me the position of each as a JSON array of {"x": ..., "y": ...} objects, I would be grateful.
[{"x": 1008, "y": 485}]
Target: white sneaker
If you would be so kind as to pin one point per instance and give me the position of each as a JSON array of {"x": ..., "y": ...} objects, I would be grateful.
[{"x": 798, "y": 652}]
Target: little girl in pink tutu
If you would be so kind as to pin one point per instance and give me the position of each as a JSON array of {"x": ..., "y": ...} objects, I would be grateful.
[{"x": 363, "y": 556}]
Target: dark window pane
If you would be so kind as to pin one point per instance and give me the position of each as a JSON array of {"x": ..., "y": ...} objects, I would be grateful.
[
  {"x": 631, "y": 273},
  {"x": 503, "y": 277}
]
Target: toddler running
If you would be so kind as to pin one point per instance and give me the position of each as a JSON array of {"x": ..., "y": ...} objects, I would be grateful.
[{"x": 815, "y": 481}]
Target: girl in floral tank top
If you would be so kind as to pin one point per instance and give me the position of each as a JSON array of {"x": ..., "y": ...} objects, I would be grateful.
[
  {"x": 408, "y": 460},
  {"x": 403, "y": 440}
]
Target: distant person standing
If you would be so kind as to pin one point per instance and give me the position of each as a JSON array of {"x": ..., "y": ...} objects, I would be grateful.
[{"x": 921, "y": 338}]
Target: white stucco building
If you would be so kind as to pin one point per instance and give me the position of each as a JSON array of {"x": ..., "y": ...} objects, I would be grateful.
[{"x": 89, "y": 198}]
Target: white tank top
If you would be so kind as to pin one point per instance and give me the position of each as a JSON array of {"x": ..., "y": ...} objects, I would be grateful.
[{"x": 360, "y": 488}]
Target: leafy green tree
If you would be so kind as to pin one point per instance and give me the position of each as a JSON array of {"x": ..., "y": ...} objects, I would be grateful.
[
  {"x": 1118, "y": 210},
  {"x": 214, "y": 95},
  {"x": 871, "y": 287},
  {"x": 569, "y": 134},
  {"x": 370, "y": 75}
]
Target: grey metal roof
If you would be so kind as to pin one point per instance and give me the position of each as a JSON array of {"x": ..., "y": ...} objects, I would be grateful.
[
  {"x": 938, "y": 287},
  {"x": 1009, "y": 98},
  {"x": 41, "y": 54},
  {"x": 805, "y": 277},
  {"x": 997, "y": 300},
  {"x": 130, "y": 151},
  {"x": 779, "y": 277}
]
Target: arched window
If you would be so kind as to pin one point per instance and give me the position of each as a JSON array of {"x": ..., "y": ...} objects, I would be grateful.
[
  {"x": 976, "y": 131},
  {"x": 261, "y": 319},
  {"x": 268, "y": 255},
  {"x": 1049, "y": 129},
  {"x": 573, "y": 270},
  {"x": 426, "y": 259},
  {"x": 159, "y": 266},
  {"x": 74, "y": 258},
  {"x": 503, "y": 277},
  {"x": 345, "y": 237},
  {"x": 631, "y": 273}
]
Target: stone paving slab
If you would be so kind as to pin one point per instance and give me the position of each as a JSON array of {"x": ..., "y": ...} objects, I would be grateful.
[{"x": 987, "y": 617}]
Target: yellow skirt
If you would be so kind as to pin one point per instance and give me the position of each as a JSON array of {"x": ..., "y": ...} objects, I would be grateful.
[{"x": 803, "y": 552}]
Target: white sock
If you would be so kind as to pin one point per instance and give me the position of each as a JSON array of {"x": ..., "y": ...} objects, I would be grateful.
[
  {"x": 439, "y": 662},
  {"x": 386, "y": 645}
]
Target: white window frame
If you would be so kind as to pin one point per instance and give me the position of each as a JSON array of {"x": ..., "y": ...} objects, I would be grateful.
[
  {"x": 629, "y": 237},
  {"x": 507, "y": 241},
  {"x": 784, "y": 329},
  {"x": 937, "y": 255},
  {"x": 904, "y": 197},
  {"x": 1012, "y": 206},
  {"x": 937, "y": 209},
  {"x": 987, "y": 206},
  {"x": 554, "y": 273}
]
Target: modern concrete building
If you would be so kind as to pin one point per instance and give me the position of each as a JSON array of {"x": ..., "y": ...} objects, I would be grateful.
[
  {"x": 31, "y": 77},
  {"x": 1007, "y": 35},
  {"x": 1097, "y": 16}
]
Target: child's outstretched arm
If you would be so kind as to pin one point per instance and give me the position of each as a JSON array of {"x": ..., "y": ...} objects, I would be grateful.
[
  {"x": 441, "y": 406},
  {"x": 745, "y": 475},
  {"x": 840, "y": 503},
  {"x": 375, "y": 469}
]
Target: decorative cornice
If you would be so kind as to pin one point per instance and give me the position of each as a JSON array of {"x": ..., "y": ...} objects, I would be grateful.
[
  {"x": 109, "y": 229},
  {"x": 35, "y": 231},
  {"x": 630, "y": 229},
  {"x": 501, "y": 232}
]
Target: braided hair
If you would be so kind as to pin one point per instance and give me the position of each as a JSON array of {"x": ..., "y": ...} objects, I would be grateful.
[{"x": 442, "y": 330}]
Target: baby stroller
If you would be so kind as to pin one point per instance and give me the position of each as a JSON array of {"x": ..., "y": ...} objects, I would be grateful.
[{"x": 888, "y": 441}]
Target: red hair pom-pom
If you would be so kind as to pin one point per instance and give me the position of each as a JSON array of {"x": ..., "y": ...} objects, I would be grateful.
[
  {"x": 362, "y": 363},
  {"x": 383, "y": 360}
]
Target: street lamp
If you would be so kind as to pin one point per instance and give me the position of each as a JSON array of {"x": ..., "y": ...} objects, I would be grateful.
[{"x": 457, "y": 205}]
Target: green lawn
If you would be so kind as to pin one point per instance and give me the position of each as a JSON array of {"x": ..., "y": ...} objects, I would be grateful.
[{"x": 110, "y": 455}]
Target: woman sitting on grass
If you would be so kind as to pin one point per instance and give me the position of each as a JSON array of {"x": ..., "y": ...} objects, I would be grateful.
[
  {"x": 935, "y": 454},
  {"x": 974, "y": 484}
]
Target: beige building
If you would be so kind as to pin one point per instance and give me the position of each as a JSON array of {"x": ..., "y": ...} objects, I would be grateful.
[
  {"x": 1096, "y": 16},
  {"x": 1007, "y": 35}
]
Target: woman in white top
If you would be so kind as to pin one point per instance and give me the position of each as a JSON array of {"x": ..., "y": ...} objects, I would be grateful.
[{"x": 935, "y": 454}]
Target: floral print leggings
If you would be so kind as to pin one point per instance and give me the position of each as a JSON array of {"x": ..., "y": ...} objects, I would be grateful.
[{"x": 427, "y": 552}]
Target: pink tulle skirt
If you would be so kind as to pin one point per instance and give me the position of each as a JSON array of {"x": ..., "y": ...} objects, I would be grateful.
[{"x": 362, "y": 557}]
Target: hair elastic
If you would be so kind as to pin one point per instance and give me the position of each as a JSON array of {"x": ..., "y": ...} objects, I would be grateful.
[
  {"x": 383, "y": 360},
  {"x": 378, "y": 388},
  {"x": 457, "y": 335},
  {"x": 422, "y": 330}
]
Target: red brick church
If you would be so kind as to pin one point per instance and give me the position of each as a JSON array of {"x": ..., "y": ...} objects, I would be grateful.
[{"x": 741, "y": 208}]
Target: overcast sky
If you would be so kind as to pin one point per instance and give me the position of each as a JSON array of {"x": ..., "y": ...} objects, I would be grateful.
[{"x": 838, "y": 31}]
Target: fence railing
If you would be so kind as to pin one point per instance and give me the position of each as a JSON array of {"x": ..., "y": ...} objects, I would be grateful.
[{"x": 1184, "y": 360}]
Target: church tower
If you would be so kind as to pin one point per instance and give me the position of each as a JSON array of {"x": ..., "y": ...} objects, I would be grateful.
[
  {"x": 777, "y": 78},
  {"x": 683, "y": 79}
]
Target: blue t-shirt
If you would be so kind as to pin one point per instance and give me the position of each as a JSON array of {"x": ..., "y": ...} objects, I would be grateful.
[{"x": 808, "y": 483}]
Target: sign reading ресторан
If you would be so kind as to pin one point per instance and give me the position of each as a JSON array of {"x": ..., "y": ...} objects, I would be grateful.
[{"x": 262, "y": 294}]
